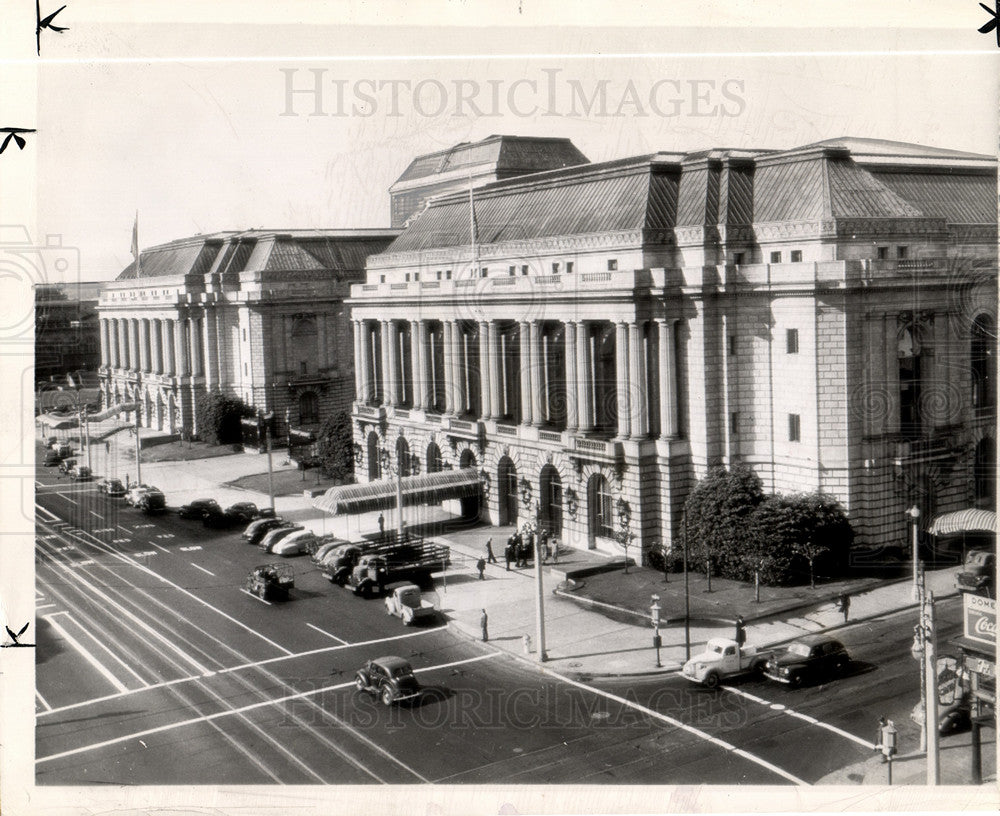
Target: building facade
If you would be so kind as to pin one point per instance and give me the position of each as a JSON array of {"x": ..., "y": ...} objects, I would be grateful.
[
  {"x": 256, "y": 314},
  {"x": 591, "y": 340}
]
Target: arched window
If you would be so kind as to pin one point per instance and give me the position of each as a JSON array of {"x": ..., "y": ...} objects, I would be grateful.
[
  {"x": 303, "y": 351},
  {"x": 374, "y": 462},
  {"x": 599, "y": 507},
  {"x": 985, "y": 473},
  {"x": 308, "y": 408},
  {"x": 550, "y": 495},
  {"x": 467, "y": 460},
  {"x": 403, "y": 457},
  {"x": 434, "y": 464},
  {"x": 983, "y": 346}
]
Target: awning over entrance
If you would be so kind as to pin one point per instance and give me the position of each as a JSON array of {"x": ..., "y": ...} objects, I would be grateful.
[
  {"x": 429, "y": 488},
  {"x": 965, "y": 521}
]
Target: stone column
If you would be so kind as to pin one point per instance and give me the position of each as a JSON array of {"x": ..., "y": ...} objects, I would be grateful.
[
  {"x": 144, "y": 344},
  {"x": 113, "y": 344},
  {"x": 485, "y": 385},
  {"x": 667, "y": 378},
  {"x": 537, "y": 380},
  {"x": 169, "y": 360},
  {"x": 639, "y": 388},
  {"x": 458, "y": 365},
  {"x": 105, "y": 350},
  {"x": 570, "y": 356},
  {"x": 426, "y": 379},
  {"x": 134, "y": 346},
  {"x": 208, "y": 341},
  {"x": 356, "y": 332},
  {"x": 584, "y": 391},
  {"x": 180, "y": 347},
  {"x": 364, "y": 364},
  {"x": 493, "y": 370},
  {"x": 418, "y": 377},
  {"x": 122, "y": 329},
  {"x": 196, "y": 361},
  {"x": 449, "y": 375},
  {"x": 156, "y": 364},
  {"x": 323, "y": 359},
  {"x": 622, "y": 382},
  {"x": 393, "y": 363},
  {"x": 524, "y": 342},
  {"x": 386, "y": 369}
]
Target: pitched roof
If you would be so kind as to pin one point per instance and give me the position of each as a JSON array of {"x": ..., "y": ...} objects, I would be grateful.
[{"x": 959, "y": 198}]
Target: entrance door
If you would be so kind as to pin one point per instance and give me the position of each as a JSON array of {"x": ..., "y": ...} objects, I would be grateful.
[
  {"x": 507, "y": 492},
  {"x": 551, "y": 500}
]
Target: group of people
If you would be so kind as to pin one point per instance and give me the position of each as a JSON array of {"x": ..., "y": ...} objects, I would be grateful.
[{"x": 520, "y": 548}]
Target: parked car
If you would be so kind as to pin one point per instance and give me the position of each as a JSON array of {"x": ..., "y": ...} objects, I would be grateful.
[
  {"x": 111, "y": 487},
  {"x": 270, "y": 581},
  {"x": 243, "y": 512},
  {"x": 135, "y": 493},
  {"x": 274, "y": 536},
  {"x": 389, "y": 678},
  {"x": 152, "y": 501},
  {"x": 66, "y": 465},
  {"x": 814, "y": 658},
  {"x": 258, "y": 528},
  {"x": 324, "y": 549},
  {"x": 82, "y": 473},
  {"x": 407, "y": 604},
  {"x": 52, "y": 458},
  {"x": 978, "y": 574},
  {"x": 723, "y": 658},
  {"x": 295, "y": 544},
  {"x": 198, "y": 508}
]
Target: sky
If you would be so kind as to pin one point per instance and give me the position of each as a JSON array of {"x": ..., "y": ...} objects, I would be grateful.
[{"x": 202, "y": 142}]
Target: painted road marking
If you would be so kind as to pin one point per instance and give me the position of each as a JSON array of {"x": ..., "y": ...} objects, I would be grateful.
[
  {"x": 142, "y": 526},
  {"x": 104, "y": 530},
  {"x": 165, "y": 535},
  {"x": 202, "y": 569},
  {"x": 144, "y": 554},
  {"x": 322, "y": 632},
  {"x": 192, "y": 548},
  {"x": 242, "y": 710},
  {"x": 805, "y": 717},
  {"x": 243, "y": 667},
  {"x": 121, "y": 540},
  {"x": 248, "y": 592},
  {"x": 43, "y": 701},
  {"x": 681, "y": 725},
  {"x": 86, "y": 655},
  {"x": 44, "y": 606},
  {"x": 104, "y": 646}
]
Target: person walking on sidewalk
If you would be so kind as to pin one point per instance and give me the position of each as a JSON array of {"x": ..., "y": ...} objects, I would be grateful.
[
  {"x": 741, "y": 631},
  {"x": 845, "y": 604},
  {"x": 381, "y": 525},
  {"x": 508, "y": 552},
  {"x": 484, "y": 622},
  {"x": 490, "y": 557},
  {"x": 481, "y": 566}
]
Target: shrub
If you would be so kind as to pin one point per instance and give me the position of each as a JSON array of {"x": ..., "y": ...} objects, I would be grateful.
[
  {"x": 335, "y": 447},
  {"x": 219, "y": 418}
]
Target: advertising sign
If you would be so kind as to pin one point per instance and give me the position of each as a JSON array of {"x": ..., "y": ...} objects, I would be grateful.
[
  {"x": 947, "y": 676},
  {"x": 981, "y": 620}
]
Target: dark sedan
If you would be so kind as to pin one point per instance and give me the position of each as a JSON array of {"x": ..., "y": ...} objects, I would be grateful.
[
  {"x": 813, "y": 659},
  {"x": 198, "y": 508}
]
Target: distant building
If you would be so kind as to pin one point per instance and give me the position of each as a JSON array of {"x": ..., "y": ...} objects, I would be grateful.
[
  {"x": 257, "y": 314},
  {"x": 587, "y": 342},
  {"x": 66, "y": 330}
]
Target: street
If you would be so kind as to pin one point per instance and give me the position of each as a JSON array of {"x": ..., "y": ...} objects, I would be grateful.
[{"x": 155, "y": 667}]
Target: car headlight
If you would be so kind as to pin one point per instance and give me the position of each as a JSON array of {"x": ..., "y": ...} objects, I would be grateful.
[{"x": 784, "y": 669}]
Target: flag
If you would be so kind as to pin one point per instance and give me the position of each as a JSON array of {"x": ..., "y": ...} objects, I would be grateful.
[{"x": 135, "y": 246}]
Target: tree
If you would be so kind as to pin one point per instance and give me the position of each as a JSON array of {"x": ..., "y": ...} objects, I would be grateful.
[
  {"x": 829, "y": 536},
  {"x": 219, "y": 416},
  {"x": 335, "y": 448}
]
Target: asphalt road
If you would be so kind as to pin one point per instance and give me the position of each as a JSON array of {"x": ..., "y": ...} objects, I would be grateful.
[{"x": 154, "y": 667}]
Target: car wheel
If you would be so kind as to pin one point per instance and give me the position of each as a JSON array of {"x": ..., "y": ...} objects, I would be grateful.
[
  {"x": 386, "y": 696},
  {"x": 795, "y": 679},
  {"x": 359, "y": 683},
  {"x": 711, "y": 680}
]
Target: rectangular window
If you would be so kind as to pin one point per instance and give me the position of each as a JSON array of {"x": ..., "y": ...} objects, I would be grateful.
[
  {"x": 511, "y": 270},
  {"x": 416, "y": 276},
  {"x": 484, "y": 271},
  {"x": 775, "y": 257},
  {"x": 732, "y": 344},
  {"x": 555, "y": 268},
  {"x": 794, "y": 428},
  {"x": 439, "y": 274},
  {"x": 796, "y": 256},
  {"x": 407, "y": 277},
  {"x": 902, "y": 252},
  {"x": 792, "y": 341},
  {"x": 303, "y": 367},
  {"x": 524, "y": 269},
  {"x": 447, "y": 274},
  {"x": 738, "y": 258},
  {"x": 381, "y": 278},
  {"x": 734, "y": 422},
  {"x": 882, "y": 253},
  {"x": 613, "y": 265},
  {"x": 569, "y": 267}
]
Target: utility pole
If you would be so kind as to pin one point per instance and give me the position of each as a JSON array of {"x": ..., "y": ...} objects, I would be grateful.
[
  {"x": 539, "y": 598},
  {"x": 931, "y": 692},
  {"x": 921, "y": 654},
  {"x": 270, "y": 466},
  {"x": 138, "y": 464},
  {"x": 687, "y": 595}
]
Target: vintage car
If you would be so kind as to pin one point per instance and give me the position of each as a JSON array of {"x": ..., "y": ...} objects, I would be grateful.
[
  {"x": 52, "y": 458},
  {"x": 978, "y": 573},
  {"x": 723, "y": 658},
  {"x": 67, "y": 465},
  {"x": 81, "y": 473},
  {"x": 272, "y": 537},
  {"x": 407, "y": 604},
  {"x": 295, "y": 544},
  {"x": 389, "y": 678},
  {"x": 330, "y": 544},
  {"x": 270, "y": 581},
  {"x": 111, "y": 487},
  {"x": 258, "y": 528},
  {"x": 152, "y": 501},
  {"x": 814, "y": 658},
  {"x": 197, "y": 508},
  {"x": 244, "y": 512},
  {"x": 134, "y": 494}
]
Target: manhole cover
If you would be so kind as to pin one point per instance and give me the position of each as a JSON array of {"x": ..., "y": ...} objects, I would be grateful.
[
  {"x": 600, "y": 715},
  {"x": 777, "y": 707}
]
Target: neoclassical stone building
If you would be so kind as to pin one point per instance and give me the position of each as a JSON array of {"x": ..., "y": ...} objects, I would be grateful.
[
  {"x": 257, "y": 314},
  {"x": 588, "y": 341}
]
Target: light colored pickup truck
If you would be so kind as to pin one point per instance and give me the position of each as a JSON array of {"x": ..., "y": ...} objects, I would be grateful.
[
  {"x": 723, "y": 658},
  {"x": 406, "y": 604}
]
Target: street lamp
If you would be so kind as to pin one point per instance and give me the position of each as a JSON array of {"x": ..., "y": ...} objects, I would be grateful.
[
  {"x": 687, "y": 594},
  {"x": 397, "y": 471},
  {"x": 914, "y": 514},
  {"x": 654, "y": 609}
]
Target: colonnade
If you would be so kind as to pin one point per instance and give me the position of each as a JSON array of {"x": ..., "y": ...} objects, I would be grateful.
[{"x": 164, "y": 346}]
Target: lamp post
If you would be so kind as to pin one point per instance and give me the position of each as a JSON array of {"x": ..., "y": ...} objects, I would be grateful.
[
  {"x": 539, "y": 589},
  {"x": 397, "y": 471},
  {"x": 654, "y": 609},
  {"x": 265, "y": 425},
  {"x": 687, "y": 594},
  {"x": 914, "y": 514}
]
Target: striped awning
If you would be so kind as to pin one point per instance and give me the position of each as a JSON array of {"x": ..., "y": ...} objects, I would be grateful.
[
  {"x": 965, "y": 521},
  {"x": 429, "y": 488}
]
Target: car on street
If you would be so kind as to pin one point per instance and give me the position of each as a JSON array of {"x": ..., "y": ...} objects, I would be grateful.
[
  {"x": 295, "y": 544},
  {"x": 270, "y": 581},
  {"x": 82, "y": 473},
  {"x": 274, "y": 536},
  {"x": 52, "y": 458},
  {"x": 978, "y": 573},
  {"x": 389, "y": 678},
  {"x": 814, "y": 658},
  {"x": 111, "y": 487},
  {"x": 407, "y": 604},
  {"x": 724, "y": 658},
  {"x": 197, "y": 508},
  {"x": 134, "y": 493},
  {"x": 258, "y": 528},
  {"x": 67, "y": 465},
  {"x": 243, "y": 512},
  {"x": 152, "y": 501},
  {"x": 324, "y": 549}
]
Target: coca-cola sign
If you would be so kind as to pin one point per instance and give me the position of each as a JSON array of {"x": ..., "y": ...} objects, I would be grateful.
[{"x": 981, "y": 620}]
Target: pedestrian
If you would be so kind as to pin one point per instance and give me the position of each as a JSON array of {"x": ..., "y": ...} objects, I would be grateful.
[
  {"x": 381, "y": 525},
  {"x": 529, "y": 550},
  {"x": 548, "y": 549},
  {"x": 508, "y": 553},
  {"x": 741, "y": 631},
  {"x": 481, "y": 566},
  {"x": 490, "y": 557},
  {"x": 522, "y": 552},
  {"x": 845, "y": 605},
  {"x": 543, "y": 545},
  {"x": 484, "y": 623}
]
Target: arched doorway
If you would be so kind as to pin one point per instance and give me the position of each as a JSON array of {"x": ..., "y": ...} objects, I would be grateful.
[
  {"x": 308, "y": 408},
  {"x": 506, "y": 492},
  {"x": 374, "y": 465},
  {"x": 434, "y": 464},
  {"x": 600, "y": 522},
  {"x": 467, "y": 460},
  {"x": 550, "y": 510},
  {"x": 403, "y": 456}
]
